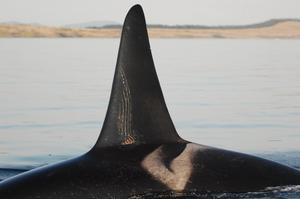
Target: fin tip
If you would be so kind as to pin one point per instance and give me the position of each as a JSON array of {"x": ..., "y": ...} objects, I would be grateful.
[{"x": 135, "y": 10}]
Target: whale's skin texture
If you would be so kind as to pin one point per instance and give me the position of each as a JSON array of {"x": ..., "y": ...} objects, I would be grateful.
[{"x": 139, "y": 152}]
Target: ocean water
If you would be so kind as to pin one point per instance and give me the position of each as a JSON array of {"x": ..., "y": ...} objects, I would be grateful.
[{"x": 240, "y": 95}]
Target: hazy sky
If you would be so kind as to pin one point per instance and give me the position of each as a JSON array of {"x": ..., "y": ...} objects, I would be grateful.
[{"x": 202, "y": 12}]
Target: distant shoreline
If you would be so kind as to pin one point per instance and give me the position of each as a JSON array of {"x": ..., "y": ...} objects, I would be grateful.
[{"x": 284, "y": 29}]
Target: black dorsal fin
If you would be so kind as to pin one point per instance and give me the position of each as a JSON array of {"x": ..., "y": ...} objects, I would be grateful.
[{"x": 137, "y": 113}]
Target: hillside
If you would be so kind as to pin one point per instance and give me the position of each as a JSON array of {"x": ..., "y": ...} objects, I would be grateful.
[{"x": 280, "y": 28}]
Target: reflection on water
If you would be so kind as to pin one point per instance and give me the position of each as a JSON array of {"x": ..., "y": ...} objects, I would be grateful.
[{"x": 236, "y": 94}]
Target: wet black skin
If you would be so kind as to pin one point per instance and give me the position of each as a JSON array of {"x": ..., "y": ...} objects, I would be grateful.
[
  {"x": 117, "y": 172},
  {"x": 139, "y": 151}
]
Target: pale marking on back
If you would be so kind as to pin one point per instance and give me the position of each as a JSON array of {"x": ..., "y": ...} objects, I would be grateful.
[{"x": 181, "y": 167}]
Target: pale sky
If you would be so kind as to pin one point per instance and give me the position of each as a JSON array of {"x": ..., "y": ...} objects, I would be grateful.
[{"x": 200, "y": 12}]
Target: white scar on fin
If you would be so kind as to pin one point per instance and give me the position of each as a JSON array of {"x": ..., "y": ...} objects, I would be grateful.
[{"x": 181, "y": 167}]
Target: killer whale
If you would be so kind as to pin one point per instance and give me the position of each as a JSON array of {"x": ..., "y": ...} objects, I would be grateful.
[{"x": 139, "y": 151}]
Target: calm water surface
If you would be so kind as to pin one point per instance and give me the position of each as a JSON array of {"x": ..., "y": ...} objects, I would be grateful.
[{"x": 236, "y": 94}]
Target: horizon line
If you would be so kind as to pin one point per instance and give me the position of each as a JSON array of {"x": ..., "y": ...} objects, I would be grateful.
[{"x": 113, "y": 24}]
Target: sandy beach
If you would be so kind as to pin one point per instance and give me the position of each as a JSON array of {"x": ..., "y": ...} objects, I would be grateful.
[{"x": 282, "y": 29}]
